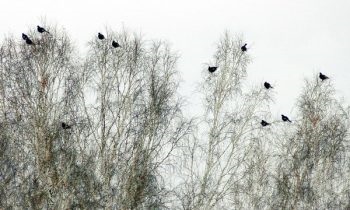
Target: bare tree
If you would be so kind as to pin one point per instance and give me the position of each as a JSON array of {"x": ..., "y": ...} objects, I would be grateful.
[
  {"x": 136, "y": 119},
  {"x": 215, "y": 163},
  {"x": 313, "y": 166},
  {"x": 39, "y": 91}
]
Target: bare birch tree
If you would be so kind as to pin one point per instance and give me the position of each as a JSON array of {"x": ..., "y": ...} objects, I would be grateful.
[
  {"x": 313, "y": 166},
  {"x": 136, "y": 120},
  {"x": 215, "y": 163},
  {"x": 38, "y": 92}
]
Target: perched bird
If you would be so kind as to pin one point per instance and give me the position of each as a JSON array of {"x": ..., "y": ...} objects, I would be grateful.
[
  {"x": 211, "y": 69},
  {"x": 41, "y": 29},
  {"x": 244, "y": 47},
  {"x": 285, "y": 118},
  {"x": 65, "y": 126},
  {"x": 24, "y": 36},
  {"x": 323, "y": 77},
  {"x": 115, "y": 44},
  {"x": 267, "y": 85},
  {"x": 28, "y": 41},
  {"x": 264, "y": 123},
  {"x": 100, "y": 36}
]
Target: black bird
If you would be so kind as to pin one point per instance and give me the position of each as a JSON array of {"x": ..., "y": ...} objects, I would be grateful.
[
  {"x": 323, "y": 77},
  {"x": 100, "y": 36},
  {"x": 285, "y": 118},
  {"x": 41, "y": 29},
  {"x": 267, "y": 85},
  {"x": 264, "y": 123},
  {"x": 65, "y": 126},
  {"x": 244, "y": 47},
  {"x": 115, "y": 44},
  {"x": 24, "y": 36},
  {"x": 211, "y": 69},
  {"x": 28, "y": 41}
]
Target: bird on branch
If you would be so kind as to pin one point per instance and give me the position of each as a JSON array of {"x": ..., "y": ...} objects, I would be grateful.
[
  {"x": 244, "y": 47},
  {"x": 115, "y": 44},
  {"x": 323, "y": 77},
  {"x": 267, "y": 85},
  {"x": 285, "y": 118},
  {"x": 212, "y": 69},
  {"x": 24, "y": 36},
  {"x": 264, "y": 123},
  {"x": 41, "y": 29},
  {"x": 65, "y": 126},
  {"x": 100, "y": 36}
]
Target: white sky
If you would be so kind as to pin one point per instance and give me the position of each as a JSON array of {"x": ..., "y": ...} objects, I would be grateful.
[{"x": 289, "y": 39}]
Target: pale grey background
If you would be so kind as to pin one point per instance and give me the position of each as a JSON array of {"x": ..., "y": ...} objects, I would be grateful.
[{"x": 288, "y": 40}]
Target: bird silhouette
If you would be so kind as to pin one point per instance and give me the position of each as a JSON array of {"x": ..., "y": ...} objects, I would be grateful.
[
  {"x": 100, "y": 36},
  {"x": 115, "y": 44},
  {"x": 24, "y": 36},
  {"x": 41, "y": 29},
  {"x": 65, "y": 126},
  {"x": 211, "y": 69},
  {"x": 323, "y": 77},
  {"x": 244, "y": 47},
  {"x": 264, "y": 123},
  {"x": 28, "y": 41},
  {"x": 285, "y": 118},
  {"x": 267, "y": 85}
]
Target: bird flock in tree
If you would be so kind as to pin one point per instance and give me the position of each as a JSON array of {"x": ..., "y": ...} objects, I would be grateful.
[
  {"x": 267, "y": 85},
  {"x": 41, "y": 30},
  {"x": 211, "y": 69}
]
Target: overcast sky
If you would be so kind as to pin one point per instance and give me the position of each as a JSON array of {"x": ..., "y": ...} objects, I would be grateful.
[{"x": 289, "y": 39}]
